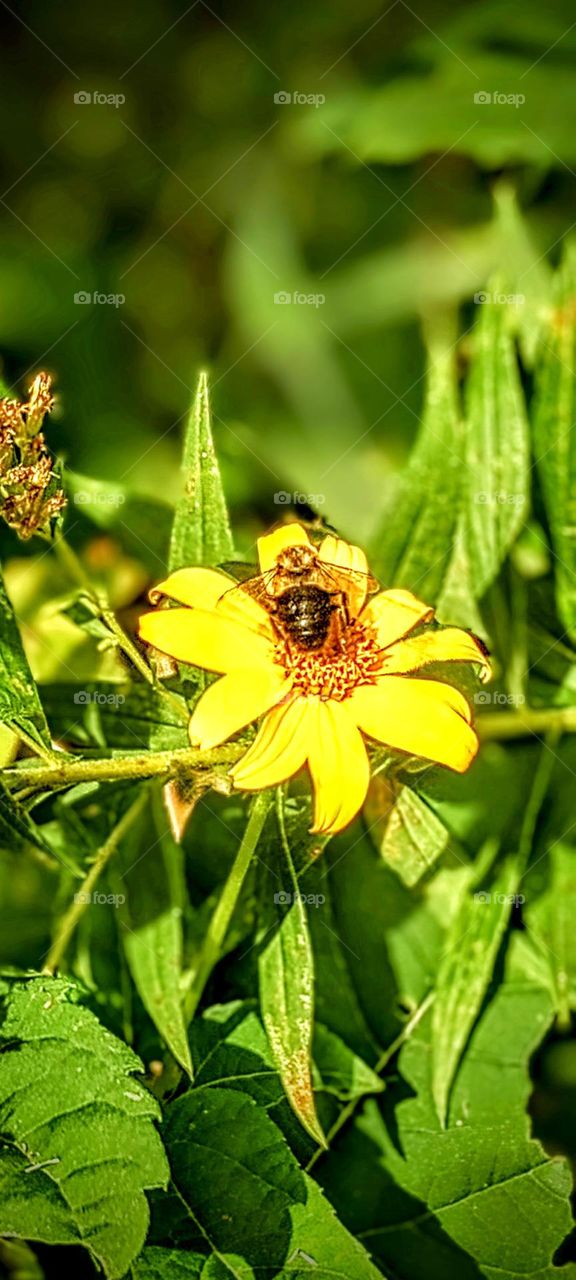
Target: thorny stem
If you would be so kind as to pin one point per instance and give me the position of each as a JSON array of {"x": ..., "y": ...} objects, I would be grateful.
[
  {"x": 75, "y": 569},
  {"x": 222, "y": 915},
  {"x": 82, "y": 897},
  {"x": 382, "y": 1063}
]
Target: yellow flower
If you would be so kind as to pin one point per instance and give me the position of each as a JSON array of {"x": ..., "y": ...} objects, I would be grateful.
[{"x": 318, "y": 705}]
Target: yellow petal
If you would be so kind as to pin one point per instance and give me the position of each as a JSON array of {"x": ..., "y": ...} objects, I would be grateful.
[
  {"x": 448, "y": 645},
  {"x": 208, "y": 589},
  {"x": 279, "y": 749},
  {"x": 345, "y": 555},
  {"x": 270, "y": 546},
  {"x": 393, "y": 613},
  {"x": 423, "y": 717},
  {"x": 204, "y": 639},
  {"x": 199, "y": 588},
  {"x": 338, "y": 765},
  {"x": 233, "y": 702}
]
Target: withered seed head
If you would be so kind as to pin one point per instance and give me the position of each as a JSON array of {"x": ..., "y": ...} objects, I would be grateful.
[{"x": 30, "y": 492}]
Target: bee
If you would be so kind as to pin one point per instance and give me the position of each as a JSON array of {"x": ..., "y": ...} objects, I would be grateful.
[{"x": 307, "y": 599}]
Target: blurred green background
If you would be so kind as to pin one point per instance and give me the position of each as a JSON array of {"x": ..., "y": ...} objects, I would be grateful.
[{"x": 382, "y": 191}]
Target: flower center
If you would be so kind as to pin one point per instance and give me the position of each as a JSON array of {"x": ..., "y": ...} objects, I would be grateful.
[{"x": 333, "y": 674}]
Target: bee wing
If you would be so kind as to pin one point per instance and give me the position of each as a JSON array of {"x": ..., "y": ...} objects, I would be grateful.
[
  {"x": 337, "y": 575},
  {"x": 255, "y": 584}
]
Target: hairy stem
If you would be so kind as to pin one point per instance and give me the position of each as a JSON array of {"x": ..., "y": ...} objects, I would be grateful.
[
  {"x": 82, "y": 898},
  {"x": 31, "y": 778}
]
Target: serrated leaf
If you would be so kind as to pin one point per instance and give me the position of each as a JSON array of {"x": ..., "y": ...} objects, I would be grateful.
[
  {"x": 20, "y": 705},
  {"x": 481, "y": 1198},
  {"x": 286, "y": 987},
  {"x": 243, "y": 1193},
  {"x": 150, "y": 924},
  {"x": 79, "y": 1145},
  {"x": 465, "y": 972},
  {"x": 497, "y": 442},
  {"x": 406, "y": 831},
  {"x": 554, "y": 436},
  {"x": 414, "y": 544},
  {"x": 201, "y": 531}
]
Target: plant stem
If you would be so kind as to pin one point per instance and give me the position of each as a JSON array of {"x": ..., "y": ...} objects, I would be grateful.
[
  {"x": 501, "y": 726},
  {"x": 222, "y": 915},
  {"x": 149, "y": 764},
  {"x": 83, "y": 896}
]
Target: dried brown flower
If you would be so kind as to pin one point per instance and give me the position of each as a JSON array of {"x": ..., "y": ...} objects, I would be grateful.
[{"x": 31, "y": 495}]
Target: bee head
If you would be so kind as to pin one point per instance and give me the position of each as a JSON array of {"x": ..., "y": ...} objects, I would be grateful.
[{"x": 296, "y": 559}]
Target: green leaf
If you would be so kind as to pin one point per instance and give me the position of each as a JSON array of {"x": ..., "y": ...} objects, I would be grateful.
[
  {"x": 554, "y": 436},
  {"x": 414, "y": 543},
  {"x": 286, "y": 986},
  {"x": 173, "y": 1264},
  {"x": 406, "y": 831},
  {"x": 549, "y": 917},
  {"x": 106, "y": 713},
  {"x": 150, "y": 923},
  {"x": 229, "y": 1045},
  {"x": 465, "y": 972},
  {"x": 243, "y": 1194},
  {"x": 17, "y": 830},
  {"x": 20, "y": 705},
  {"x": 478, "y": 1199},
  {"x": 78, "y": 1141},
  {"x": 497, "y": 448},
  {"x": 201, "y": 531}
]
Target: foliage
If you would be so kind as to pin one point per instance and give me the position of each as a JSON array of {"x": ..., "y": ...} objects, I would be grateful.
[{"x": 229, "y": 1047}]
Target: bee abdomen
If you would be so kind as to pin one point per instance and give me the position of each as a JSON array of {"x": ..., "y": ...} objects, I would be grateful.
[{"x": 305, "y": 613}]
